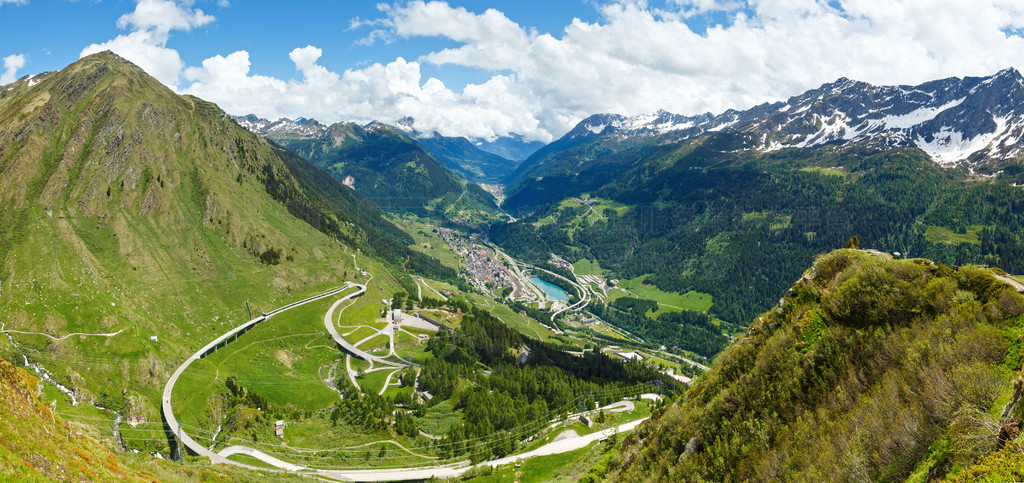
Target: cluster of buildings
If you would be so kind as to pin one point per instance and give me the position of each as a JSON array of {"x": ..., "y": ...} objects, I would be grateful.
[
  {"x": 585, "y": 201},
  {"x": 482, "y": 269},
  {"x": 560, "y": 262}
]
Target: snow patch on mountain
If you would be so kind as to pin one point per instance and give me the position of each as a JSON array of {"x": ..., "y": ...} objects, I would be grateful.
[
  {"x": 950, "y": 146},
  {"x": 915, "y": 117}
]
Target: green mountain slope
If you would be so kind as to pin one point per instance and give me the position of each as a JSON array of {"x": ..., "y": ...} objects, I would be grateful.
[
  {"x": 701, "y": 215},
  {"x": 869, "y": 368},
  {"x": 392, "y": 170},
  {"x": 465, "y": 158},
  {"x": 129, "y": 212}
]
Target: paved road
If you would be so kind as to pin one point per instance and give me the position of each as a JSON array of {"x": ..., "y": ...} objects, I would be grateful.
[
  {"x": 255, "y": 453},
  {"x": 172, "y": 423},
  {"x": 345, "y": 344},
  {"x": 442, "y": 472},
  {"x": 425, "y": 284}
]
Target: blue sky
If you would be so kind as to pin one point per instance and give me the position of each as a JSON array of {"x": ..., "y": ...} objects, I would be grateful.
[
  {"x": 483, "y": 69},
  {"x": 51, "y": 34}
]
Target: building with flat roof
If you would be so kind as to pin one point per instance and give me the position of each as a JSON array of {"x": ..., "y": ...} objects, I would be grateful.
[{"x": 630, "y": 355}]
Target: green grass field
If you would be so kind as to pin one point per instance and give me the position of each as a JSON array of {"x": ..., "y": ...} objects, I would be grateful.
[
  {"x": 376, "y": 343},
  {"x": 653, "y": 359},
  {"x": 588, "y": 267},
  {"x": 357, "y": 334},
  {"x": 519, "y": 322},
  {"x": 439, "y": 419},
  {"x": 394, "y": 390},
  {"x": 667, "y": 301},
  {"x": 938, "y": 234},
  {"x": 405, "y": 339},
  {"x": 249, "y": 460},
  {"x": 417, "y": 354},
  {"x": 371, "y": 382},
  {"x": 604, "y": 329},
  {"x": 425, "y": 240},
  {"x": 838, "y": 171},
  {"x": 573, "y": 215},
  {"x": 359, "y": 364},
  {"x": 346, "y": 445}
]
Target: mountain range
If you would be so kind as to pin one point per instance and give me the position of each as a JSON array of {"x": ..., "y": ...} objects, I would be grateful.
[
  {"x": 480, "y": 161},
  {"x": 384, "y": 164},
  {"x": 978, "y": 120}
]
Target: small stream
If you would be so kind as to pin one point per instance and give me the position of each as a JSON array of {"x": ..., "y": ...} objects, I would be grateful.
[{"x": 43, "y": 374}]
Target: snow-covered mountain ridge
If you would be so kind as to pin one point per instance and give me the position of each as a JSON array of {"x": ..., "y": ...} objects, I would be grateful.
[{"x": 973, "y": 119}]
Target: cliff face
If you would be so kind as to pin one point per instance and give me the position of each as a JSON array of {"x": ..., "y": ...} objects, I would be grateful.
[{"x": 869, "y": 368}]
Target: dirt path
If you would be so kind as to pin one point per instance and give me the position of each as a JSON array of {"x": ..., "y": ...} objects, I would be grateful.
[
  {"x": 396, "y": 443},
  {"x": 1012, "y": 282},
  {"x": 4, "y": 324}
]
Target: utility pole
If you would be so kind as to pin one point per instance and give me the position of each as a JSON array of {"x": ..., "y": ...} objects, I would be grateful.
[{"x": 247, "y": 308}]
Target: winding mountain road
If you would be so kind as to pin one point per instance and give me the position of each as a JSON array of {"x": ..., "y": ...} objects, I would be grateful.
[
  {"x": 345, "y": 344},
  {"x": 172, "y": 426},
  {"x": 402, "y": 474},
  {"x": 171, "y": 423}
]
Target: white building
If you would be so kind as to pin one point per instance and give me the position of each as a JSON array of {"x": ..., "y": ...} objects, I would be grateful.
[{"x": 630, "y": 355}]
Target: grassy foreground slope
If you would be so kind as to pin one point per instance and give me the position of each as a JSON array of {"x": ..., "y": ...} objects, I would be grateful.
[
  {"x": 36, "y": 445},
  {"x": 870, "y": 368}
]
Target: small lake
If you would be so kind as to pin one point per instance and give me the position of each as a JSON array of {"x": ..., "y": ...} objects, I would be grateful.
[{"x": 553, "y": 291}]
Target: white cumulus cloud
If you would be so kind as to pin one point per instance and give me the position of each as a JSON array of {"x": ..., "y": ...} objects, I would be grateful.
[
  {"x": 150, "y": 25},
  {"x": 385, "y": 92},
  {"x": 11, "y": 65},
  {"x": 637, "y": 59},
  {"x": 633, "y": 59}
]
